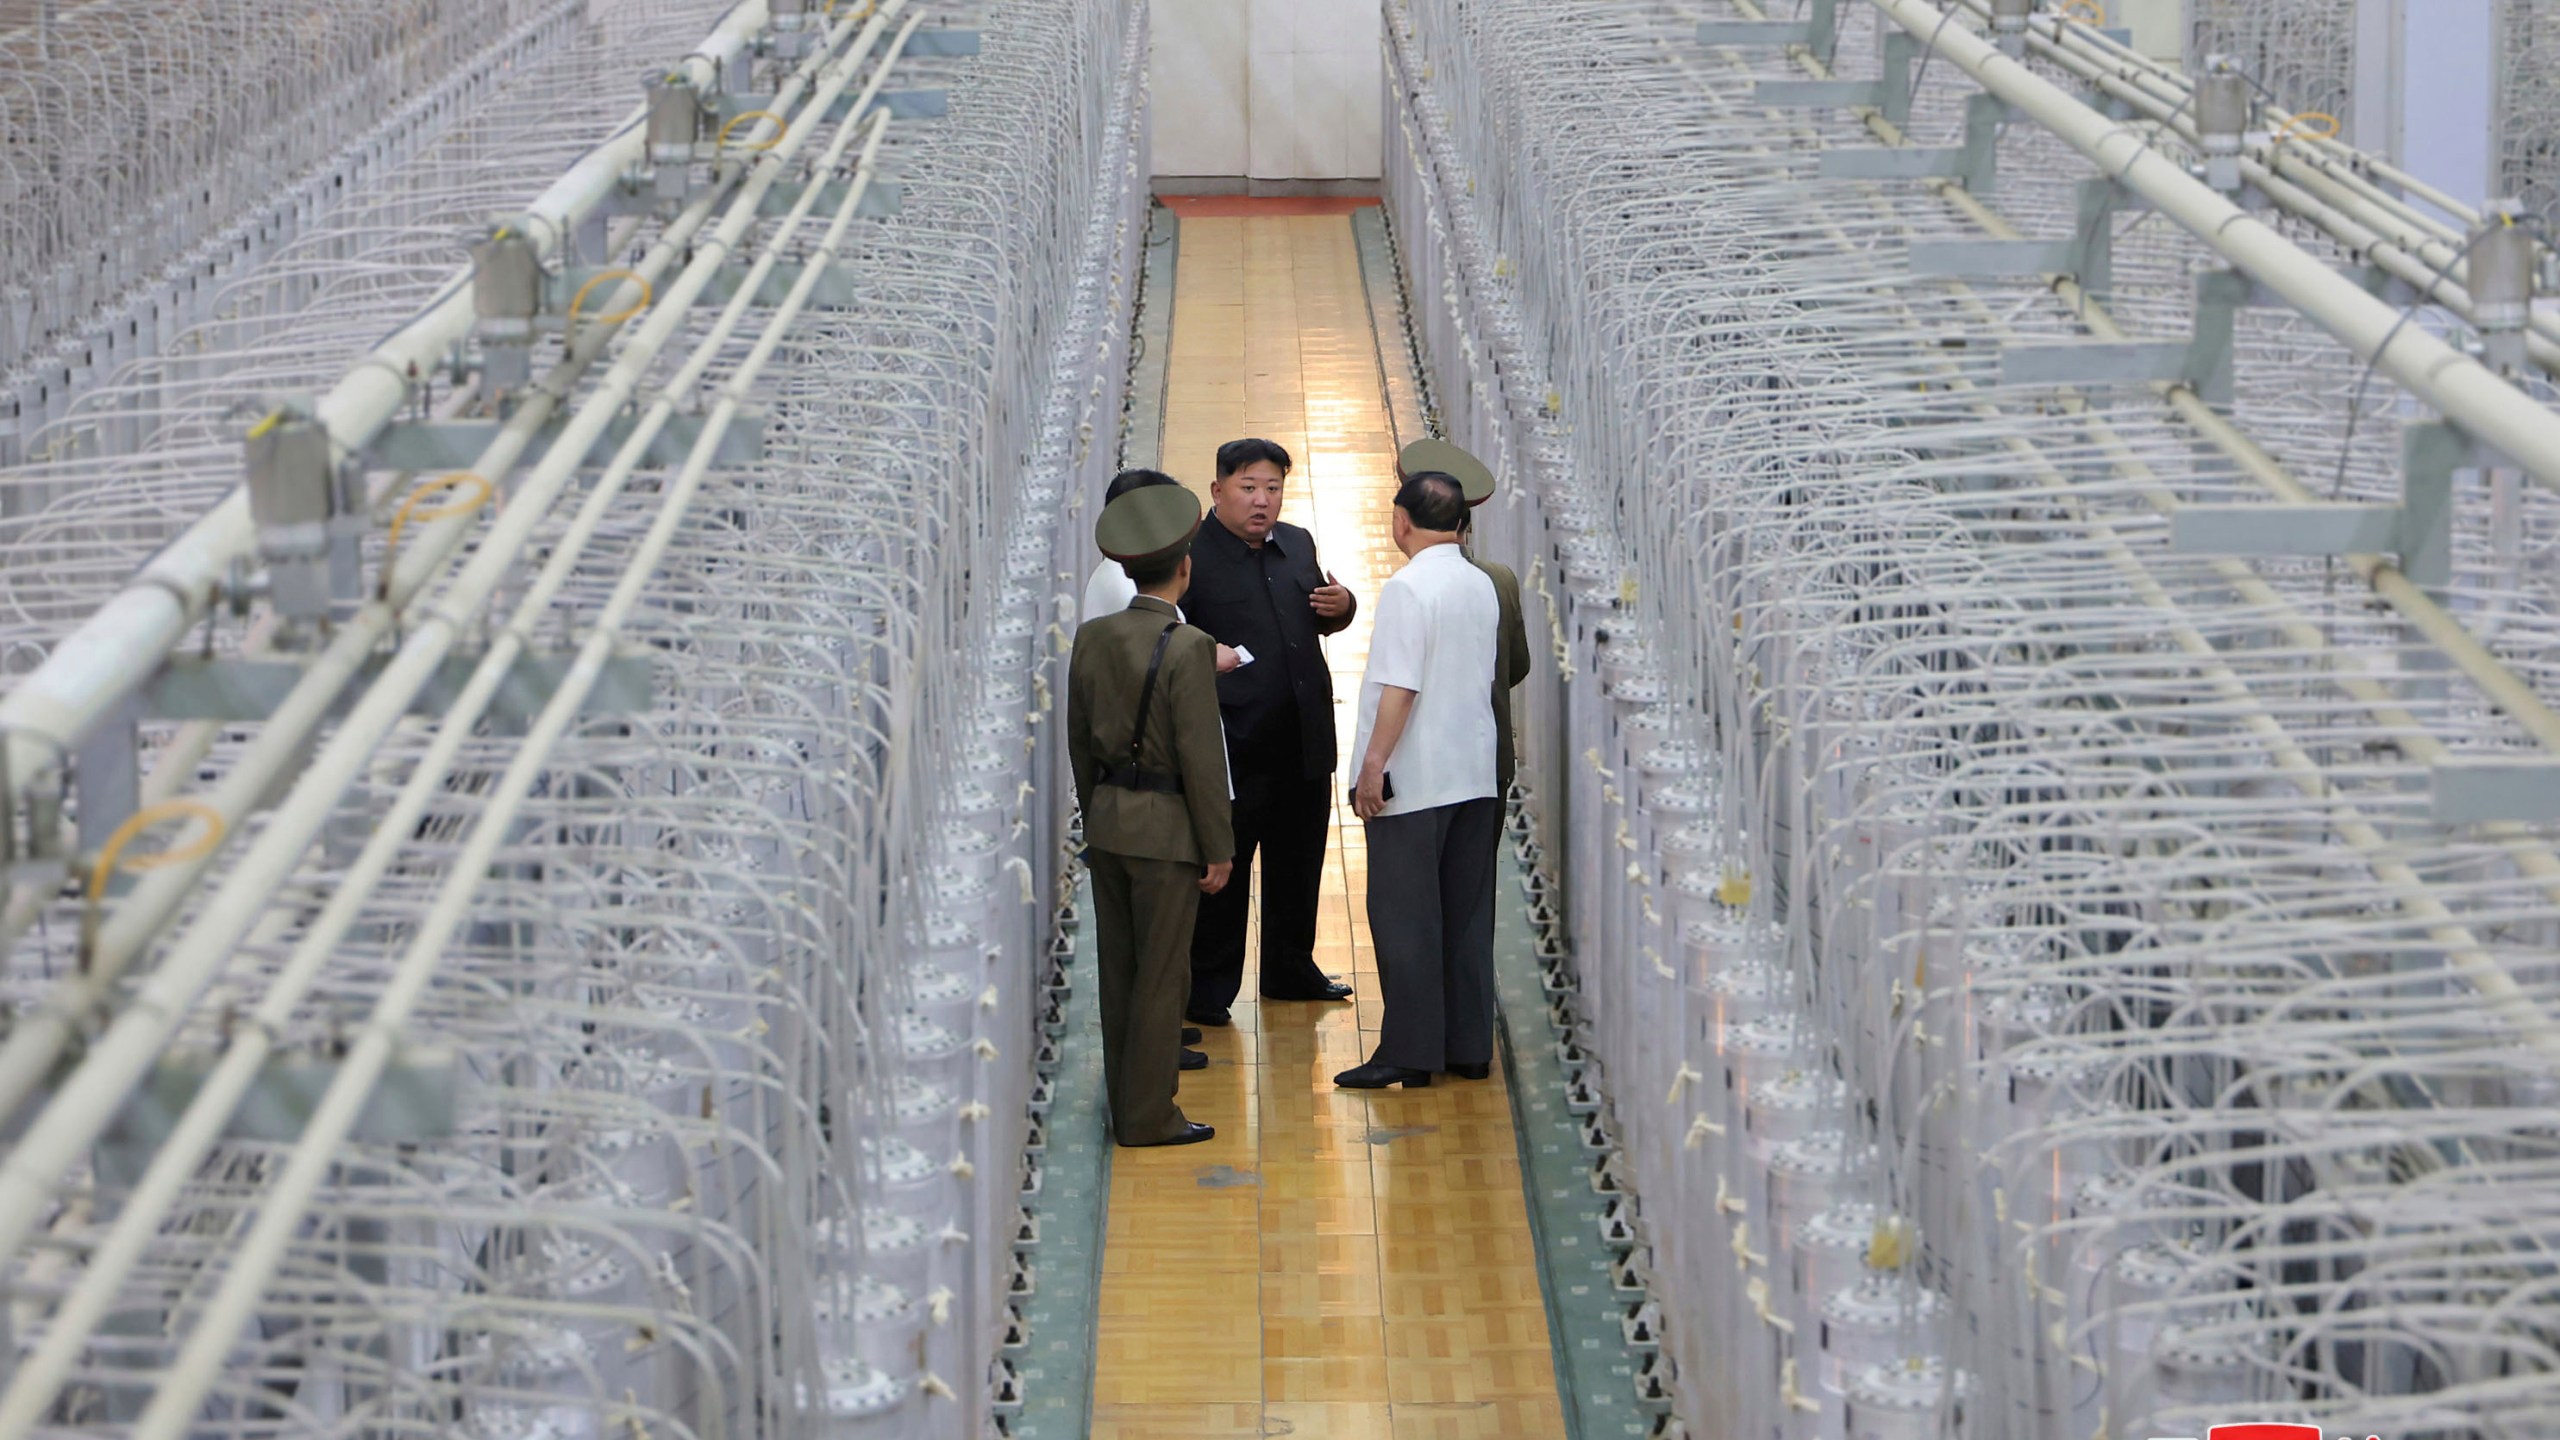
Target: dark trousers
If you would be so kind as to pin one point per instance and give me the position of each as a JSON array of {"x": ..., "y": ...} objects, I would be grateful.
[
  {"x": 1142, "y": 914},
  {"x": 1431, "y": 918},
  {"x": 1284, "y": 818}
]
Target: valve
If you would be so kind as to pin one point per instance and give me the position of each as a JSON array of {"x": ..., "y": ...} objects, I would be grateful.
[
  {"x": 293, "y": 495},
  {"x": 2502, "y": 283},
  {"x": 791, "y": 34},
  {"x": 2224, "y": 108},
  {"x": 677, "y": 112},
  {"x": 2009, "y": 25},
  {"x": 507, "y": 286}
]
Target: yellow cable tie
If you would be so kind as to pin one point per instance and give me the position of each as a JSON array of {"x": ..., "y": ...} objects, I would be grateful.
[
  {"x": 2316, "y": 117},
  {"x": 781, "y": 127},
  {"x": 111, "y": 858},
  {"x": 111, "y": 855},
  {"x": 482, "y": 493},
  {"x": 578, "y": 301}
]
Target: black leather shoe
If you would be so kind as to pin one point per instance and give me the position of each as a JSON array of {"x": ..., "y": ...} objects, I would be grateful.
[
  {"x": 1190, "y": 1034},
  {"x": 1186, "y": 1136},
  {"x": 1214, "y": 1019},
  {"x": 1191, "y": 1134},
  {"x": 1333, "y": 990},
  {"x": 1194, "y": 1060},
  {"x": 1481, "y": 1070},
  {"x": 1374, "y": 1076}
]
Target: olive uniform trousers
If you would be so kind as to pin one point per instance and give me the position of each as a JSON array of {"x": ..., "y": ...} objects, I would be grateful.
[{"x": 1142, "y": 915}]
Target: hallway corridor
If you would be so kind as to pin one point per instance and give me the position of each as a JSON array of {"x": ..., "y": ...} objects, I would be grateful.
[{"x": 1352, "y": 1265}]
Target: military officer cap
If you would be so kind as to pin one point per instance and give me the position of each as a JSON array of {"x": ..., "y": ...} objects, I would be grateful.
[
  {"x": 1150, "y": 525},
  {"x": 1473, "y": 475}
]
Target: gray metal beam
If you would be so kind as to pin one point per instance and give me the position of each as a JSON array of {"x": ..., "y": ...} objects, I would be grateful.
[
  {"x": 241, "y": 688},
  {"x": 2477, "y": 789},
  {"x": 1818, "y": 94},
  {"x": 2095, "y": 362},
  {"x": 1892, "y": 162},
  {"x": 1754, "y": 32},
  {"x": 2320, "y": 528},
  {"x": 444, "y": 445}
]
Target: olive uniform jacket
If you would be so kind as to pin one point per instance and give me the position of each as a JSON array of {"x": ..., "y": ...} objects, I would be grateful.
[
  {"x": 1183, "y": 741},
  {"x": 1510, "y": 667}
]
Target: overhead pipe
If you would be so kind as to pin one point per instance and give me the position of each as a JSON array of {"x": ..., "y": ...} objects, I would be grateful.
[
  {"x": 2464, "y": 949},
  {"x": 199, "y": 1364},
  {"x": 89, "y": 1097},
  {"x": 94, "y": 669},
  {"x": 210, "y": 1109},
  {"x": 2462, "y": 389}
]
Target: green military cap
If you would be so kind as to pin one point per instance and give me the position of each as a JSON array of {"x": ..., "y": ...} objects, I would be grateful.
[
  {"x": 1149, "y": 525},
  {"x": 1473, "y": 475}
]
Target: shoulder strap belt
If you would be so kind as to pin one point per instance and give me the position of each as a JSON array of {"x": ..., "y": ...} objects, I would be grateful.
[{"x": 1134, "y": 776}]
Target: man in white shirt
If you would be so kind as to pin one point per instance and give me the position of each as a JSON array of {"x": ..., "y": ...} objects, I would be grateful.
[
  {"x": 1108, "y": 590},
  {"x": 1425, "y": 785}
]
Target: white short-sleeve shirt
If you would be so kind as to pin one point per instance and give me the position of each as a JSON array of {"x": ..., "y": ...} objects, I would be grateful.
[
  {"x": 1434, "y": 634},
  {"x": 1108, "y": 590}
]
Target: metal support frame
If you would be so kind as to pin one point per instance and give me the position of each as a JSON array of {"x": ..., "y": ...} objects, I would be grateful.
[
  {"x": 1975, "y": 164},
  {"x": 1818, "y": 31},
  {"x": 921, "y": 104},
  {"x": 236, "y": 689},
  {"x": 106, "y": 773},
  {"x": 445, "y": 445},
  {"x": 2418, "y": 530},
  {"x": 942, "y": 42},
  {"x": 415, "y": 1100}
]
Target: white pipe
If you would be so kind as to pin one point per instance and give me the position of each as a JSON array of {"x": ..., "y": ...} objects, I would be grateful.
[
  {"x": 2461, "y": 388},
  {"x": 199, "y": 1364},
  {"x": 92, "y": 1094},
  {"x": 32, "y": 1390},
  {"x": 47, "y": 714}
]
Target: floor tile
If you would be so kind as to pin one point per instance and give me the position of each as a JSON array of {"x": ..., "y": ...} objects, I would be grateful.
[{"x": 1344, "y": 1264}]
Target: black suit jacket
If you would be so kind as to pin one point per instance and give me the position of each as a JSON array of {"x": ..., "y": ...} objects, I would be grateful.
[{"x": 1258, "y": 599}]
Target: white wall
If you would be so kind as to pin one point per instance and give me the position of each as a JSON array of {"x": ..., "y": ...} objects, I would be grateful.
[
  {"x": 1267, "y": 89},
  {"x": 2449, "y": 89}
]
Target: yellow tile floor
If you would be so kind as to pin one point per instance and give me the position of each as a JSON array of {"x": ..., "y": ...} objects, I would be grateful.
[{"x": 1337, "y": 1264}]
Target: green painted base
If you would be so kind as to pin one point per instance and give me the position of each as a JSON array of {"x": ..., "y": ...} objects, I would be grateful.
[
  {"x": 1595, "y": 1370},
  {"x": 1061, "y": 1314}
]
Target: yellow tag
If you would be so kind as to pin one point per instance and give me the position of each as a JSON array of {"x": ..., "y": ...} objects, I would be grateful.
[
  {"x": 1734, "y": 889},
  {"x": 1555, "y": 402},
  {"x": 1890, "y": 1246},
  {"x": 1627, "y": 588}
]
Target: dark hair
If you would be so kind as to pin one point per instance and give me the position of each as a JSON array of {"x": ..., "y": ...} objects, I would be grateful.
[
  {"x": 1153, "y": 573},
  {"x": 1128, "y": 480},
  {"x": 1237, "y": 454},
  {"x": 1433, "y": 501}
]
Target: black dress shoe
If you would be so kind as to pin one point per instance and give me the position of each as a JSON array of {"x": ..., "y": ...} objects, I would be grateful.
[
  {"x": 1333, "y": 990},
  {"x": 1214, "y": 1019},
  {"x": 1374, "y": 1076},
  {"x": 1191, "y": 1134},
  {"x": 1194, "y": 1060},
  {"x": 1481, "y": 1070},
  {"x": 1190, "y": 1034}
]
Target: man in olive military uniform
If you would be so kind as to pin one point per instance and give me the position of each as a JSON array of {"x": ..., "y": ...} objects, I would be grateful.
[{"x": 1150, "y": 769}]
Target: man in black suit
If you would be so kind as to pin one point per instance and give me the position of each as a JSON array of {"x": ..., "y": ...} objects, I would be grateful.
[{"x": 1257, "y": 589}]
